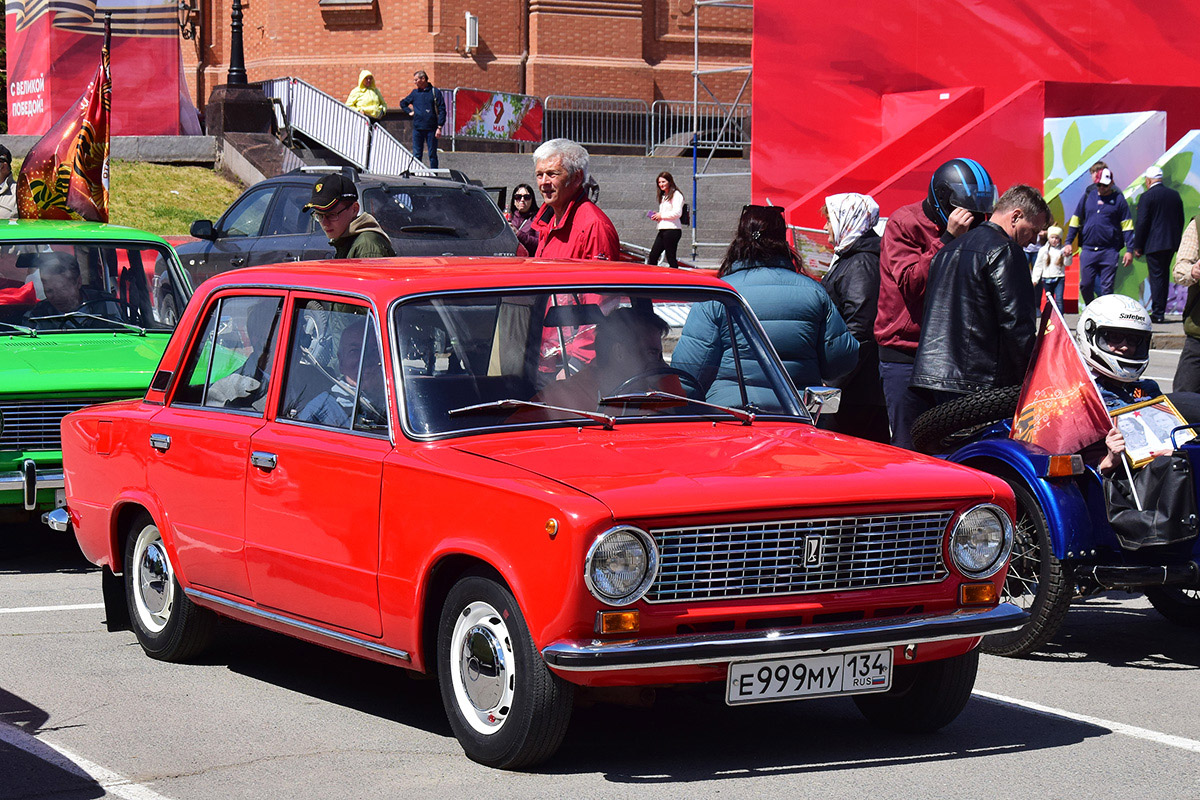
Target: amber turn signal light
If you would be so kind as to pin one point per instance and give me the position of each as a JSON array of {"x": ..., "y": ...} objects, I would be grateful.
[
  {"x": 977, "y": 594},
  {"x": 1062, "y": 466},
  {"x": 617, "y": 622}
]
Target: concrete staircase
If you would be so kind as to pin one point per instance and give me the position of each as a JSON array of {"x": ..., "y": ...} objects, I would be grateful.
[{"x": 627, "y": 192}]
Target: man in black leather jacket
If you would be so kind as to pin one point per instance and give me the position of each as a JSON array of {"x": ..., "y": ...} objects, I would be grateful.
[{"x": 980, "y": 311}]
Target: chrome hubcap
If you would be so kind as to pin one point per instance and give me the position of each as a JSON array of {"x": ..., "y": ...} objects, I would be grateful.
[
  {"x": 154, "y": 578},
  {"x": 482, "y": 667},
  {"x": 153, "y": 581}
]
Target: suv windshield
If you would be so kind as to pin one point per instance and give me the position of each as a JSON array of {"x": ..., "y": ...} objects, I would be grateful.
[
  {"x": 433, "y": 211},
  {"x": 585, "y": 356},
  {"x": 71, "y": 286}
]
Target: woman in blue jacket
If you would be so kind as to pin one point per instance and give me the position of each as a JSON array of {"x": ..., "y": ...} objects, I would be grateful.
[{"x": 796, "y": 313}]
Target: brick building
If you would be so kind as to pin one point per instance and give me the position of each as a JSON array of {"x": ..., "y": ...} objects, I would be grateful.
[{"x": 641, "y": 49}]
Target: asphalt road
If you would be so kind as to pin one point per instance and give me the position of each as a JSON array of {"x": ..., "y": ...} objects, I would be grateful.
[{"x": 1108, "y": 710}]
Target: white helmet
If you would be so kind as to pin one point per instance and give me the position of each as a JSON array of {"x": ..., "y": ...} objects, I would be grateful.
[{"x": 1114, "y": 336}]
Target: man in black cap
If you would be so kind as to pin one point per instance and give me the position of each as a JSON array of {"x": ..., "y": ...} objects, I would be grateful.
[
  {"x": 8, "y": 187},
  {"x": 353, "y": 235}
]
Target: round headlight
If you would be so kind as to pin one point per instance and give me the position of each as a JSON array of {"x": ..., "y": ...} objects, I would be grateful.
[
  {"x": 621, "y": 565},
  {"x": 981, "y": 541}
]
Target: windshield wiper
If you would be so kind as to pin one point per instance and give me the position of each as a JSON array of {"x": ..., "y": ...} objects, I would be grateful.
[
  {"x": 747, "y": 417},
  {"x": 445, "y": 229},
  {"x": 85, "y": 315},
  {"x": 594, "y": 416},
  {"x": 21, "y": 328}
]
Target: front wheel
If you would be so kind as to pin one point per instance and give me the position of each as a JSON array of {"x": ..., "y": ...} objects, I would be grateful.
[
  {"x": 1037, "y": 582},
  {"x": 923, "y": 697},
  {"x": 1181, "y": 606},
  {"x": 506, "y": 707},
  {"x": 168, "y": 625}
]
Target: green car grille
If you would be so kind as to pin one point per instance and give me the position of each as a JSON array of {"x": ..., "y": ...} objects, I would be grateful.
[{"x": 34, "y": 424}]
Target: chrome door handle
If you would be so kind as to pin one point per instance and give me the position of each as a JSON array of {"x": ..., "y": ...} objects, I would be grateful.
[
  {"x": 160, "y": 442},
  {"x": 264, "y": 461}
]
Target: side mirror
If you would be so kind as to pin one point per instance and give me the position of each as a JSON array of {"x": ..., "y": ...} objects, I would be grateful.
[
  {"x": 822, "y": 400},
  {"x": 203, "y": 229}
]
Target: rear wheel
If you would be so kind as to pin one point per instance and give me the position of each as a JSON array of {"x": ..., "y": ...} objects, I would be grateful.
[
  {"x": 923, "y": 697},
  {"x": 506, "y": 707},
  {"x": 1181, "y": 606},
  {"x": 168, "y": 625},
  {"x": 1037, "y": 582}
]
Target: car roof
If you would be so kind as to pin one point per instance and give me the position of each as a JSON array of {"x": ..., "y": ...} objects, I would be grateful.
[
  {"x": 72, "y": 230},
  {"x": 393, "y": 277},
  {"x": 369, "y": 179}
]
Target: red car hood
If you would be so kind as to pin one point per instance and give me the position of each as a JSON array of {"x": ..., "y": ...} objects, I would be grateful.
[{"x": 674, "y": 469}]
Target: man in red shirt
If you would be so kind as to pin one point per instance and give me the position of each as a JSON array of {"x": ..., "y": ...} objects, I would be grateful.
[
  {"x": 961, "y": 195},
  {"x": 569, "y": 225}
]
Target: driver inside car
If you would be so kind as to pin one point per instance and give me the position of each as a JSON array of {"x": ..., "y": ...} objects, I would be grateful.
[
  {"x": 629, "y": 359},
  {"x": 65, "y": 293}
]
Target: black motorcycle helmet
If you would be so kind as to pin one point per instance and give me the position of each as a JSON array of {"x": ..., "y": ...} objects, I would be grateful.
[{"x": 959, "y": 183}]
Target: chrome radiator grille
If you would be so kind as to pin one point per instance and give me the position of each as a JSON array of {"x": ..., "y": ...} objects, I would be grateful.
[
  {"x": 33, "y": 424},
  {"x": 803, "y": 555}
]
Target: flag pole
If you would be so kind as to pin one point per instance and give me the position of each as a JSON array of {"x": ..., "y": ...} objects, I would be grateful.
[{"x": 1128, "y": 472}]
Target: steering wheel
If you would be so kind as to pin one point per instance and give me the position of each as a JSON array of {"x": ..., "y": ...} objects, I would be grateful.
[{"x": 684, "y": 377}]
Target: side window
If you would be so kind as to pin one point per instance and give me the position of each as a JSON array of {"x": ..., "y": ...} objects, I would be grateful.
[
  {"x": 246, "y": 216},
  {"x": 288, "y": 215},
  {"x": 229, "y": 366},
  {"x": 335, "y": 374}
]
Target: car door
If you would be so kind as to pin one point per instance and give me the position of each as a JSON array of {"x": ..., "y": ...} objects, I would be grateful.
[
  {"x": 313, "y": 494},
  {"x": 202, "y": 436},
  {"x": 290, "y": 233},
  {"x": 236, "y": 233}
]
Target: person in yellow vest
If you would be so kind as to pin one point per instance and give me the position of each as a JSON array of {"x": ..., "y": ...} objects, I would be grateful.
[{"x": 366, "y": 97}]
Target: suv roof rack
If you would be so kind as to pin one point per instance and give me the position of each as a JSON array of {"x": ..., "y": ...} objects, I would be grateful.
[{"x": 326, "y": 169}]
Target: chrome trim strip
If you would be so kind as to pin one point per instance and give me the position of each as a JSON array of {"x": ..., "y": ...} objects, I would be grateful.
[
  {"x": 205, "y": 597},
  {"x": 45, "y": 480},
  {"x": 720, "y": 648}
]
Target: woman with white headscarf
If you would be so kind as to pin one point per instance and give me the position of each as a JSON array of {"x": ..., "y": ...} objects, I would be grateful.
[{"x": 853, "y": 285}]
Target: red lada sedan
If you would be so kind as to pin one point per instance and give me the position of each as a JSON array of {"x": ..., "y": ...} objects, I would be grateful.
[{"x": 525, "y": 477}]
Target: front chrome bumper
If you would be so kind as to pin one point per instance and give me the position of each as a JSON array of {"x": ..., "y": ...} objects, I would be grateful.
[
  {"x": 29, "y": 480},
  {"x": 717, "y": 648}
]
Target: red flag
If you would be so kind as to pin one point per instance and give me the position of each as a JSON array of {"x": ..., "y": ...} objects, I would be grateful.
[
  {"x": 1060, "y": 408},
  {"x": 67, "y": 169}
]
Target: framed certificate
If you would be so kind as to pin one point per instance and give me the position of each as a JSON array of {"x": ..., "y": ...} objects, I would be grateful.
[{"x": 1147, "y": 428}]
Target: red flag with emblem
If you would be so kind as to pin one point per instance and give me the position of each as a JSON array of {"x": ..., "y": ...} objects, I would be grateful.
[
  {"x": 1060, "y": 408},
  {"x": 66, "y": 171}
]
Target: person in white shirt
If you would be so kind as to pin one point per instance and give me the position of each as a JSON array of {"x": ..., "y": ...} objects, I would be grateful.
[
  {"x": 670, "y": 231},
  {"x": 1050, "y": 267}
]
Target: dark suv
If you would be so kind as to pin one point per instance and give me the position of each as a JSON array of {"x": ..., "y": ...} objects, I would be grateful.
[{"x": 268, "y": 224}]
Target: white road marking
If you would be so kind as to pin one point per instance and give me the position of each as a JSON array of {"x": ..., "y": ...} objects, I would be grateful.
[
  {"x": 30, "y": 609},
  {"x": 64, "y": 759},
  {"x": 1116, "y": 727}
]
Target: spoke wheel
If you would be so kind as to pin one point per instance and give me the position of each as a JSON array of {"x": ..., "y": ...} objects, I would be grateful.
[
  {"x": 1181, "y": 606},
  {"x": 506, "y": 708},
  {"x": 1037, "y": 582},
  {"x": 167, "y": 625}
]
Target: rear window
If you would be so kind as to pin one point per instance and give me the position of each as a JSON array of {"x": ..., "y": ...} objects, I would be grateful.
[{"x": 433, "y": 212}]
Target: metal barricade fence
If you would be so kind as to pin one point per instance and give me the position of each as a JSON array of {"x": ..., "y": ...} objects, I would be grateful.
[
  {"x": 598, "y": 121},
  {"x": 722, "y": 126},
  {"x": 332, "y": 124}
]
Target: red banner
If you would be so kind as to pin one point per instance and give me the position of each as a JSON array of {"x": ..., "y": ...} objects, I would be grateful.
[
  {"x": 1060, "y": 408},
  {"x": 496, "y": 115},
  {"x": 67, "y": 169}
]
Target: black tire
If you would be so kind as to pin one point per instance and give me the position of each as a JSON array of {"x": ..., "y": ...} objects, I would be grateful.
[
  {"x": 923, "y": 697},
  {"x": 507, "y": 709},
  {"x": 168, "y": 625},
  {"x": 949, "y": 425},
  {"x": 1037, "y": 582},
  {"x": 1181, "y": 606},
  {"x": 168, "y": 309}
]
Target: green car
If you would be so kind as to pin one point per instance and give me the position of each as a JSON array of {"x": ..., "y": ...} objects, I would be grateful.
[{"x": 78, "y": 325}]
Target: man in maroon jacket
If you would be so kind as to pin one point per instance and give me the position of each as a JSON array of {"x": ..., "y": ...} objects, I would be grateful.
[{"x": 961, "y": 195}]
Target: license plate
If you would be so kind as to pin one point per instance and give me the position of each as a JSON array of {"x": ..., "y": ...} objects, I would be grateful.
[{"x": 808, "y": 676}]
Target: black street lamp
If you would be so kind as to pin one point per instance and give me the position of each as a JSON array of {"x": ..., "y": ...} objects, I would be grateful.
[{"x": 237, "y": 59}]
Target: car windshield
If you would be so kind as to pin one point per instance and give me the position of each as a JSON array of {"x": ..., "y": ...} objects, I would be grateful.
[
  {"x": 585, "y": 356},
  {"x": 437, "y": 212},
  {"x": 73, "y": 286}
]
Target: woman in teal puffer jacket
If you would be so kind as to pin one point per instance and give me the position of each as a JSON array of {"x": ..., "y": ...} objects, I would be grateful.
[{"x": 796, "y": 313}]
